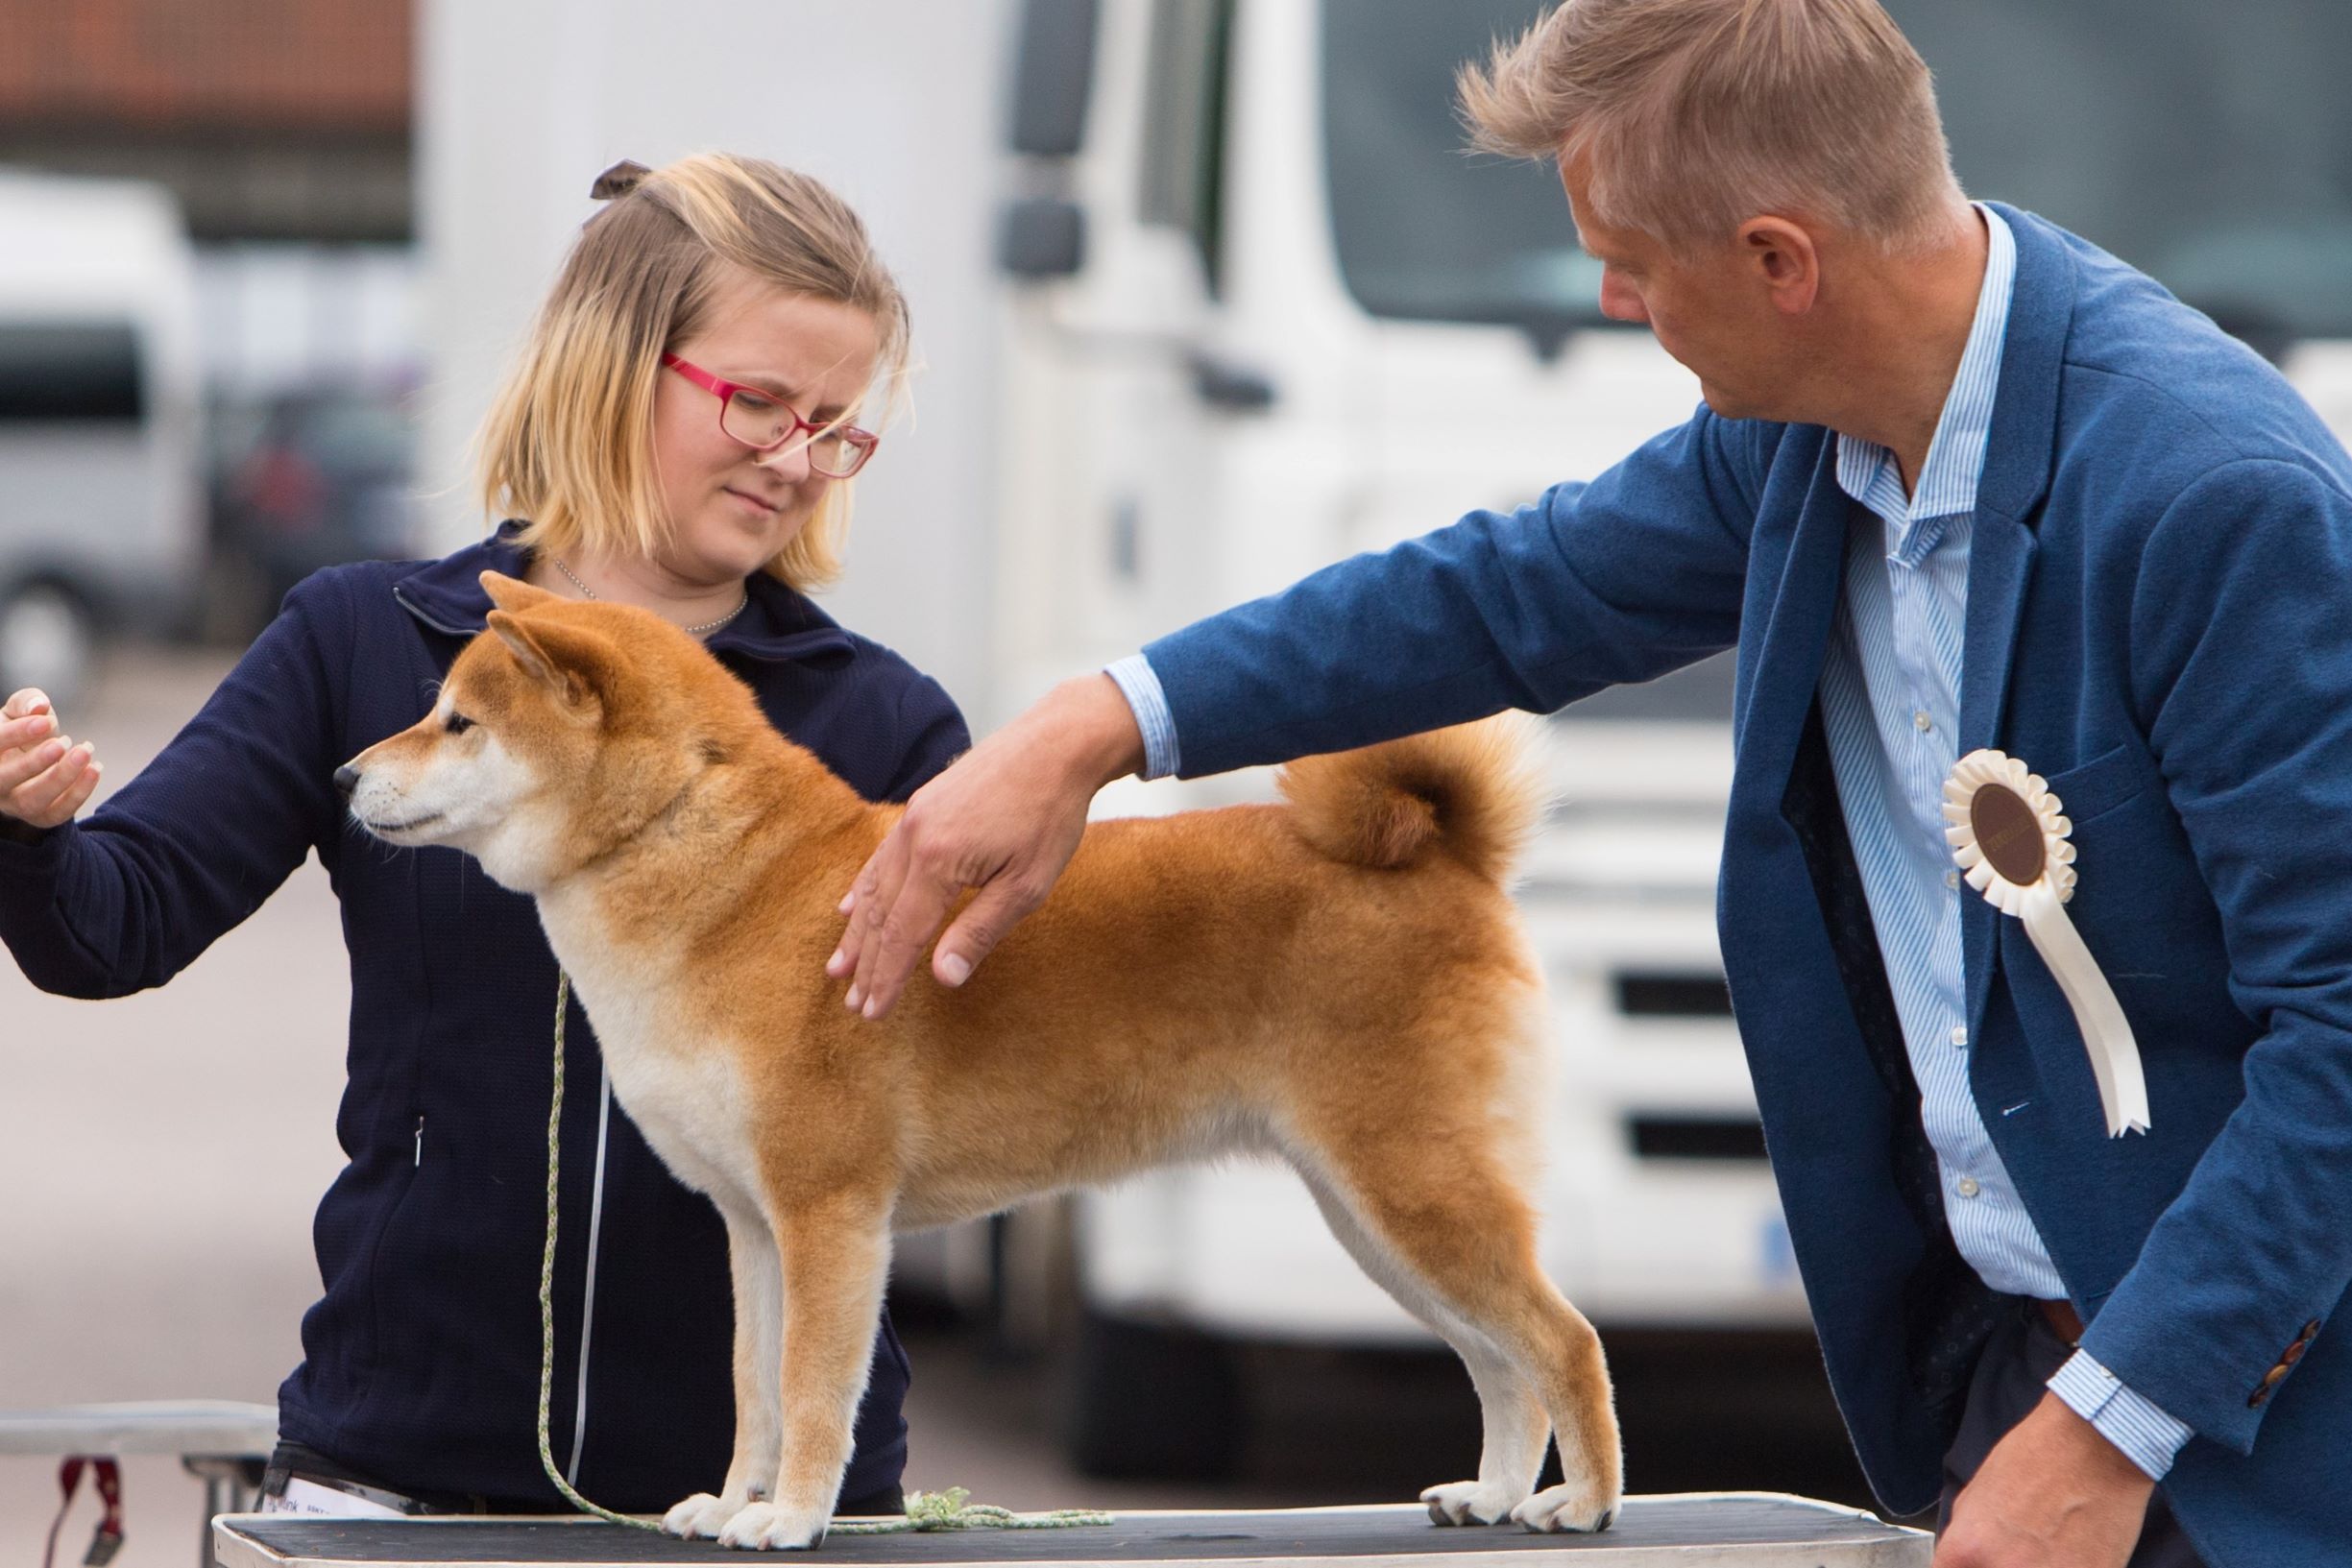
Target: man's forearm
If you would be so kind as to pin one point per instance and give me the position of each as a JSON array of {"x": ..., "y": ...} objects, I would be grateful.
[{"x": 1094, "y": 731}]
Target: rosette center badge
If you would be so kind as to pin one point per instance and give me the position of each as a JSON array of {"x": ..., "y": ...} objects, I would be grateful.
[{"x": 2008, "y": 838}]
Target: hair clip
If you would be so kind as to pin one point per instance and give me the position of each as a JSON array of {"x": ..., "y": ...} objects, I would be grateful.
[{"x": 620, "y": 180}]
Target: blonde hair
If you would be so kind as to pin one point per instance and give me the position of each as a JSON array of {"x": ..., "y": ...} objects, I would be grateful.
[
  {"x": 1693, "y": 116},
  {"x": 640, "y": 280}
]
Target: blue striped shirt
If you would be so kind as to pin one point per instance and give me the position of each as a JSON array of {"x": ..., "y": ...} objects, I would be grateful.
[
  {"x": 1890, "y": 699},
  {"x": 1149, "y": 701}
]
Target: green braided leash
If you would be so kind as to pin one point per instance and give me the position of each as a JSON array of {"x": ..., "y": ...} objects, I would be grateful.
[
  {"x": 546, "y": 1283},
  {"x": 926, "y": 1512}
]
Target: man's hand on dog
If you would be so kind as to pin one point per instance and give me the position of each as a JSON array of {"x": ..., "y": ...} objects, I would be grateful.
[
  {"x": 2052, "y": 1494},
  {"x": 1005, "y": 819},
  {"x": 44, "y": 777}
]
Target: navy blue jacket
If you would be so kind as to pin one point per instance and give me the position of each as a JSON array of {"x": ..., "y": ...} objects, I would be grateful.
[
  {"x": 2159, "y": 583},
  {"x": 421, "y": 1360}
]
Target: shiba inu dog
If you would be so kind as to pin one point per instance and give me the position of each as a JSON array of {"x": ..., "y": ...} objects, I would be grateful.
[{"x": 1339, "y": 982}]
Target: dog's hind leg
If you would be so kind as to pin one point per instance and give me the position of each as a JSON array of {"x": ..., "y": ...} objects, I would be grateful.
[
  {"x": 1462, "y": 1229},
  {"x": 1514, "y": 1429},
  {"x": 759, "y": 1350},
  {"x": 836, "y": 1254}
]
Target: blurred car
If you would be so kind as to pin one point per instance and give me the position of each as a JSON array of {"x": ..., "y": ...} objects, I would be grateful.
[{"x": 307, "y": 480}]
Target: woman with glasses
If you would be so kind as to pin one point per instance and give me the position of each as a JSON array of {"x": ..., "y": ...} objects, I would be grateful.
[{"x": 677, "y": 434}]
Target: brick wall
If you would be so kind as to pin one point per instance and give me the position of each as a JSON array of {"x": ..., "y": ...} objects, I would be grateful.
[
  {"x": 160, "y": 65},
  {"x": 269, "y": 119}
]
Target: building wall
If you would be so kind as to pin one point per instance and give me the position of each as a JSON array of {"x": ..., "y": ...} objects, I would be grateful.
[
  {"x": 893, "y": 101},
  {"x": 270, "y": 119}
]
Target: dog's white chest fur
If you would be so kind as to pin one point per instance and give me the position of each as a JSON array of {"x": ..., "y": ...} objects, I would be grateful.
[{"x": 685, "y": 1094}]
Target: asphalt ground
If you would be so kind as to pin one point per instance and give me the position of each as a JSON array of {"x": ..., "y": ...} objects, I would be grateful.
[{"x": 161, "y": 1156}]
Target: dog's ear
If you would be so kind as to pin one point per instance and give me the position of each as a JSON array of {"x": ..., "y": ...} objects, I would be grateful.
[
  {"x": 512, "y": 594},
  {"x": 573, "y": 661}
]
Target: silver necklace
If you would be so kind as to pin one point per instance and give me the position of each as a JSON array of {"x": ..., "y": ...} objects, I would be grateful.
[{"x": 707, "y": 626}]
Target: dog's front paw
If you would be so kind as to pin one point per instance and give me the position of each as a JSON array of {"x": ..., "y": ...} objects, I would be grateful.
[
  {"x": 701, "y": 1515},
  {"x": 1469, "y": 1503},
  {"x": 1567, "y": 1507},
  {"x": 766, "y": 1527}
]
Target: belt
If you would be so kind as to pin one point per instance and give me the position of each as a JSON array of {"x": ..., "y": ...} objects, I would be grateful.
[{"x": 2062, "y": 1318}]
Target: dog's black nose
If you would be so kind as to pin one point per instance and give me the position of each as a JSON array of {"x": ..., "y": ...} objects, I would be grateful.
[{"x": 347, "y": 780}]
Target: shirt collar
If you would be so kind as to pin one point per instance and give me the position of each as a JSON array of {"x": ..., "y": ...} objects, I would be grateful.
[
  {"x": 778, "y": 623},
  {"x": 1955, "y": 457}
]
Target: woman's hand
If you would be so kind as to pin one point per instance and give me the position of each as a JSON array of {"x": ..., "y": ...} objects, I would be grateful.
[
  {"x": 44, "y": 777},
  {"x": 1005, "y": 819}
]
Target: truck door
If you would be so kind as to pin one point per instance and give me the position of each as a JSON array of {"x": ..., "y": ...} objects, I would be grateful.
[{"x": 1111, "y": 470}]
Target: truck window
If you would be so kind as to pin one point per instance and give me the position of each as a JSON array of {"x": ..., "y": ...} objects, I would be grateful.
[
  {"x": 2211, "y": 146},
  {"x": 1424, "y": 232},
  {"x": 1184, "y": 114},
  {"x": 57, "y": 372}
]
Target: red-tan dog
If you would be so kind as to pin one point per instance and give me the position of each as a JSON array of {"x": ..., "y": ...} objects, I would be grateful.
[{"x": 1341, "y": 984}]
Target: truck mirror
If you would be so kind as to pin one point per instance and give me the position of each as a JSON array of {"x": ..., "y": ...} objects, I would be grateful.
[
  {"x": 1052, "y": 73},
  {"x": 1041, "y": 237}
]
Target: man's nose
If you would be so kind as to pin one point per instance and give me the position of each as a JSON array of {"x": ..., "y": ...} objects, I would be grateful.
[
  {"x": 1620, "y": 300},
  {"x": 347, "y": 780}
]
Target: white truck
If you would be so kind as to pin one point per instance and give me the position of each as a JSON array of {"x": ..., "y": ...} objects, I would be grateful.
[{"x": 102, "y": 512}]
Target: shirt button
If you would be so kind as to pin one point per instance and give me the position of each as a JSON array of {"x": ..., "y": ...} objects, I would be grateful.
[
  {"x": 1959, "y": 1035},
  {"x": 1922, "y": 722},
  {"x": 1951, "y": 879},
  {"x": 1968, "y": 1188}
]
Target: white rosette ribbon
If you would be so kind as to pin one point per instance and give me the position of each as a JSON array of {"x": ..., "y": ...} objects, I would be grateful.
[{"x": 2008, "y": 838}]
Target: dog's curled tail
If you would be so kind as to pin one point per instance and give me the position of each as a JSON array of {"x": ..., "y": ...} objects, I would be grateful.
[{"x": 1475, "y": 791}]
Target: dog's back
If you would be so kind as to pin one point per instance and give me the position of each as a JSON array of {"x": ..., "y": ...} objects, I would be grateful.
[{"x": 1236, "y": 979}]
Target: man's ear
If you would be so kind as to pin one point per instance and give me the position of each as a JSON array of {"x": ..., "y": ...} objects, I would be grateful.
[
  {"x": 1784, "y": 257},
  {"x": 573, "y": 660},
  {"x": 515, "y": 594}
]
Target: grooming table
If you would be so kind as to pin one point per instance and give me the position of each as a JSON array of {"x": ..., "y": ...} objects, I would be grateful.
[
  {"x": 223, "y": 1441},
  {"x": 1712, "y": 1530}
]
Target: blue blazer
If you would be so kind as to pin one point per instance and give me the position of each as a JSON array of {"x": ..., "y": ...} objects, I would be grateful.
[{"x": 2160, "y": 590}]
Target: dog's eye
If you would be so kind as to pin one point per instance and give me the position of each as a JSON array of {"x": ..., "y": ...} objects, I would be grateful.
[{"x": 458, "y": 723}]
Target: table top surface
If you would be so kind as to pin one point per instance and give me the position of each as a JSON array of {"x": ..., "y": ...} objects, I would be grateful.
[
  {"x": 164, "y": 1426},
  {"x": 1688, "y": 1531}
]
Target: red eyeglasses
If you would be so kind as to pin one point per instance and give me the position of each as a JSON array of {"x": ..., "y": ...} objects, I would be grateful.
[{"x": 763, "y": 422}]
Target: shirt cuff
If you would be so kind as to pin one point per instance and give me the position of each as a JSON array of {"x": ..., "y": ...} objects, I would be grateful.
[
  {"x": 2146, "y": 1435},
  {"x": 1142, "y": 690}
]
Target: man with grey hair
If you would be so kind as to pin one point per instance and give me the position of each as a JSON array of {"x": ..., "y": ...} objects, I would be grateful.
[{"x": 1962, "y": 482}]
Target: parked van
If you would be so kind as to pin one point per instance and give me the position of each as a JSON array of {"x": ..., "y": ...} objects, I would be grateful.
[
  {"x": 102, "y": 519},
  {"x": 1267, "y": 312}
]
